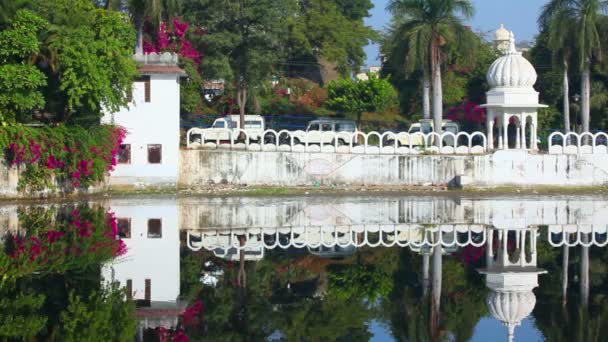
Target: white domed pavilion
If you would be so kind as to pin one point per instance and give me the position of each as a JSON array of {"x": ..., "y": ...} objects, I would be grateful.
[{"x": 512, "y": 99}]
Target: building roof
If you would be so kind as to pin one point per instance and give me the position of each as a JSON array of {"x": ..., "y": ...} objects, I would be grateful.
[
  {"x": 160, "y": 69},
  {"x": 511, "y": 70}
]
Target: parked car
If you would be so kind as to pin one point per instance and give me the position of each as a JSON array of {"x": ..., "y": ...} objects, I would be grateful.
[
  {"x": 425, "y": 126},
  {"x": 316, "y": 132},
  {"x": 225, "y": 127}
]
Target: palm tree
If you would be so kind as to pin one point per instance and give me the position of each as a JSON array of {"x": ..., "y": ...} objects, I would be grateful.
[
  {"x": 155, "y": 10},
  {"x": 560, "y": 42},
  {"x": 579, "y": 19},
  {"x": 408, "y": 47},
  {"x": 439, "y": 22}
]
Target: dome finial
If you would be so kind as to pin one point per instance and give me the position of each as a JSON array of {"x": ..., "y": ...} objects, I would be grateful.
[{"x": 512, "y": 50}]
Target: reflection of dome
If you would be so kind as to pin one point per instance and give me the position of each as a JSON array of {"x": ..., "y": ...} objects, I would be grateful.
[
  {"x": 511, "y": 307},
  {"x": 511, "y": 70}
]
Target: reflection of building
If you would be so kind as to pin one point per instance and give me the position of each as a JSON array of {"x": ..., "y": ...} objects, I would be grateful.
[
  {"x": 511, "y": 275},
  {"x": 151, "y": 269}
]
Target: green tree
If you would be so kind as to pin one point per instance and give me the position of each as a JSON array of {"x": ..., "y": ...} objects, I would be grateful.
[
  {"x": 102, "y": 316},
  {"x": 441, "y": 26},
  {"x": 328, "y": 30},
  {"x": 20, "y": 80},
  {"x": 580, "y": 20},
  {"x": 242, "y": 40},
  {"x": 94, "y": 60},
  {"x": 355, "y": 97}
]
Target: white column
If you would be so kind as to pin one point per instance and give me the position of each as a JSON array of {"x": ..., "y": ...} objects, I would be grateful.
[
  {"x": 490, "y": 128},
  {"x": 518, "y": 138},
  {"x": 505, "y": 129},
  {"x": 523, "y": 133}
]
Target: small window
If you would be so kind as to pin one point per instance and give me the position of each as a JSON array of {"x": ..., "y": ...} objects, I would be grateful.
[
  {"x": 219, "y": 124},
  {"x": 414, "y": 130},
  {"x": 253, "y": 124},
  {"x": 345, "y": 127},
  {"x": 313, "y": 127},
  {"x": 147, "y": 89},
  {"x": 155, "y": 229},
  {"x": 146, "y": 81},
  {"x": 326, "y": 127},
  {"x": 233, "y": 124},
  {"x": 124, "y": 228},
  {"x": 155, "y": 153},
  {"x": 129, "y": 288},
  {"x": 124, "y": 154}
]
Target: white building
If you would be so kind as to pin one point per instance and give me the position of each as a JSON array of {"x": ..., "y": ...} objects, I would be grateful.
[
  {"x": 149, "y": 156},
  {"x": 512, "y": 100}
]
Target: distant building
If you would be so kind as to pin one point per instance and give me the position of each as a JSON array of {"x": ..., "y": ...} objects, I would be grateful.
[
  {"x": 363, "y": 75},
  {"x": 149, "y": 156}
]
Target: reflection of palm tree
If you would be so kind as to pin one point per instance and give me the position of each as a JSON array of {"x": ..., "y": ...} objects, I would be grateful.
[
  {"x": 436, "y": 291},
  {"x": 584, "y": 283}
]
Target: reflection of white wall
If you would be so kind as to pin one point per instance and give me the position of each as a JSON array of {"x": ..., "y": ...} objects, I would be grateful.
[
  {"x": 156, "y": 259},
  {"x": 502, "y": 212}
]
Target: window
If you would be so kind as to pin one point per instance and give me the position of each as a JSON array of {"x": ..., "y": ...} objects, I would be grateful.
[
  {"x": 253, "y": 124},
  {"x": 129, "y": 288},
  {"x": 313, "y": 127},
  {"x": 148, "y": 290},
  {"x": 155, "y": 229},
  {"x": 124, "y": 228},
  {"x": 147, "y": 88},
  {"x": 146, "y": 80},
  {"x": 326, "y": 127},
  {"x": 130, "y": 94},
  {"x": 124, "y": 154},
  {"x": 155, "y": 153},
  {"x": 219, "y": 124},
  {"x": 345, "y": 127}
]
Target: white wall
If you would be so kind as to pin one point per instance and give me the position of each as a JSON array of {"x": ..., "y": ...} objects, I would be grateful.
[
  {"x": 156, "y": 259},
  {"x": 155, "y": 122},
  {"x": 200, "y": 168}
]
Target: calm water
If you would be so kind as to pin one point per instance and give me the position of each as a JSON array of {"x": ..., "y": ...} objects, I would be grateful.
[{"x": 397, "y": 268}]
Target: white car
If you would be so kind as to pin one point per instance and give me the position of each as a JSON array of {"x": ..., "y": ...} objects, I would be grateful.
[
  {"x": 327, "y": 131},
  {"x": 425, "y": 126},
  {"x": 226, "y": 127}
]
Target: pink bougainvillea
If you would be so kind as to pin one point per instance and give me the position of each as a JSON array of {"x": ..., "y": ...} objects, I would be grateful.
[
  {"x": 467, "y": 112},
  {"x": 173, "y": 40},
  {"x": 64, "y": 154}
]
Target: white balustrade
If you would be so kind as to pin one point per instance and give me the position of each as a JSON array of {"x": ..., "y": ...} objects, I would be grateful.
[
  {"x": 578, "y": 143},
  {"x": 401, "y": 143}
]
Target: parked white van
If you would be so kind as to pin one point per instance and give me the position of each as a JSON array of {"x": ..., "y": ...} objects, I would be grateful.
[
  {"x": 225, "y": 127},
  {"x": 425, "y": 126},
  {"x": 328, "y": 131}
]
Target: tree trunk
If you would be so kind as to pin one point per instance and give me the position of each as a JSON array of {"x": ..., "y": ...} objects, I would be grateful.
[
  {"x": 436, "y": 289},
  {"x": 241, "y": 99},
  {"x": 437, "y": 89},
  {"x": 139, "y": 25},
  {"x": 425, "y": 273},
  {"x": 426, "y": 94},
  {"x": 586, "y": 96},
  {"x": 565, "y": 257},
  {"x": 566, "y": 100},
  {"x": 584, "y": 283}
]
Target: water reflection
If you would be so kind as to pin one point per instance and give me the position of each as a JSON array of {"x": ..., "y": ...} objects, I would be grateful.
[{"x": 324, "y": 268}]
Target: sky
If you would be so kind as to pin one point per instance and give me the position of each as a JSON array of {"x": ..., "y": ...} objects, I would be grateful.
[{"x": 518, "y": 16}]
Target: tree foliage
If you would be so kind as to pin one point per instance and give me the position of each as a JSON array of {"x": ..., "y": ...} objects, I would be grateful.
[
  {"x": 21, "y": 81},
  {"x": 355, "y": 97}
]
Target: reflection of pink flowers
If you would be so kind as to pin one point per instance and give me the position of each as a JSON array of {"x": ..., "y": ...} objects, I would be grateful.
[{"x": 190, "y": 315}]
